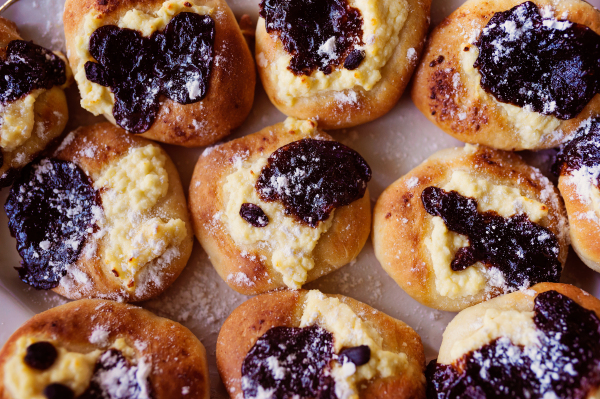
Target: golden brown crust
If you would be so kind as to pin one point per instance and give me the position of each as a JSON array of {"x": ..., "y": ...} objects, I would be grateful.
[
  {"x": 231, "y": 87},
  {"x": 51, "y": 115},
  {"x": 336, "y": 247},
  {"x": 401, "y": 224},
  {"x": 256, "y": 316},
  {"x": 93, "y": 148},
  {"x": 467, "y": 321},
  {"x": 369, "y": 105},
  {"x": 178, "y": 359},
  {"x": 584, "y": 224},
  {"x": 442, "y": 101}
]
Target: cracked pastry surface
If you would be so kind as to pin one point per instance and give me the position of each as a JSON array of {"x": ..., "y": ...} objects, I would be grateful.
[
  {"x": 349, "y": 66},
  {"x": 280, "y": 207},
  {"x": 349, "y": 349},
  {"x": 115, "y": 223},
  {"x": 196, "y": 65},
  {"x": 550, "y": 329},
  {"x": 102, "y": 349},
  {"x": 469, "y": 224},
  {"x": 33, "y": 108},
  {"x": 491, "y": 74}
]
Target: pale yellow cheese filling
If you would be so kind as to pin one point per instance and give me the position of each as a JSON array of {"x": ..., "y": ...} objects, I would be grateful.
[
  {"x": 130, "y": 188},
  {"x": 99, "y": 99},
  {"x": 349, "y": 331},
  {"x": 72, "y": 369},
  {"x": 382, "y": 22},
  {"x": 289, "y": 242},
  {"x": 532, "y": 128},
  {"x": 443, "y": 244}
]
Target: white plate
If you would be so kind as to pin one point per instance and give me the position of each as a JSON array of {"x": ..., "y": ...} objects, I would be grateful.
[{"x": 199, "y": 299}]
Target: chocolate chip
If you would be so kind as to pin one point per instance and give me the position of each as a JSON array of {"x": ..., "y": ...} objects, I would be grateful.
[
  {"x": 254, "y": 215},
  {"x": 40, "y": 355},
  {"x": 58, "y": 391},
  {"x": 358, "y": 355}
]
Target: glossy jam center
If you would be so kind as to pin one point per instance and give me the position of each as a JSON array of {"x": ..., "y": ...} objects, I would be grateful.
[
  {"x": 524, "y": 252},
  {"x": 51, "y": 211},
  {"x": 318, "y": 34},
  {"x": 582, "y": 151},
  {"x": 28, "y": 67},
  {"x": 313, "y": 177},
  {"x": 546, "y": 65},
  {"x": 290, "y": 363},
  {"x": 175, "y": 63},
  {"x": 566, "y": 364}
]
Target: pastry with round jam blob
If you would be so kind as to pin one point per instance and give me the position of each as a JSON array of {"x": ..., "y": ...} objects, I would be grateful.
[
  {"x": 280, "y": 207},
  {"x": 537, "y": 343},
  {"x": 340, "y": 62},
  {"x": 469, "y": 224},
  {"x": 33, "y": 106},
  {"x": 96, "y": 349},
  {"x": 512, "y": 74},
  {"x": 305, "y": 344},
  {"x": 103, "y": 217},
  {"x": 578, "y": 168},
  {"x": 175, "y": 71}
]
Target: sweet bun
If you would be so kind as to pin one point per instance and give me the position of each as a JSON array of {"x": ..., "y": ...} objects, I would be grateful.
[
  {"x": 280, "y": 207},
  {"x": 550, "y": 329},
  {"x": 578, "y": 165},
  {"x": 201, "y": 87},
  {"x": 528, "y": 100},
  {"x": 368, "y": 353},
  {"x": 100, "y": 349},
  {"x": 469, "y": 224},
  {"x": 345, "y": 97},
  {"x": 38, "y": 115},
  {"x": 109, "y": 217}
]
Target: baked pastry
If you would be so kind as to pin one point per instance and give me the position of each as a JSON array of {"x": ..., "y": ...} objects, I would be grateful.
[
  {"x": 305, "y": 344},
  {"x": 94, "y": 349},
  {"x": 537, "y": 343},
  {"x": 280, "y": 207},
  {"x": 512, "y": 74},
  {"x": 33, "y": 107},
  {"x": 103, "y": 217},
  {"x": 339, "y": 62},
  {"x": 175, "y": 71},
  {"x": 578, "y": 167},
  {"x": 469, "y": 224}
]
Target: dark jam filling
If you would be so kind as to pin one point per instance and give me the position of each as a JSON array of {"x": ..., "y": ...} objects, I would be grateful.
[
  {"x": 549, "y": 66},
  {"x": 313, "y": 177},
  {"x": 305, "y": 26},
  {"x": 566, "y": 364},
  {"x": 29, "y": 67},
  {"x": 50, "y": 212},
  {"x": 175, "y": 63},
  {"x": 116, "y": 378},
  {"x": 254, "y": 215},
  {"x": 292, "y": 363},
  {"x": 524, "y": 252},
  {"x": 40, "y": 355},
  {"x": 582, "y": 151}
]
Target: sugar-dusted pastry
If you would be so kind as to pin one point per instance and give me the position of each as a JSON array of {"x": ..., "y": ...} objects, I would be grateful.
[
  {"x": 578, "y": 167},
  {"x": 339, "y": 62},
  {"x": 538, "y": 343},
  {"x": 280, "y": 207},
  {"x": 103, "y": 217},
  {"x": 305, "y": 344},
  {"x": 469, "y": 224},
  {"x": 33, "y": 107},
  {"x": 94, "y": 349},
  {"x": 512, "y": 74},
  {"x": 176, "y": 71}
]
